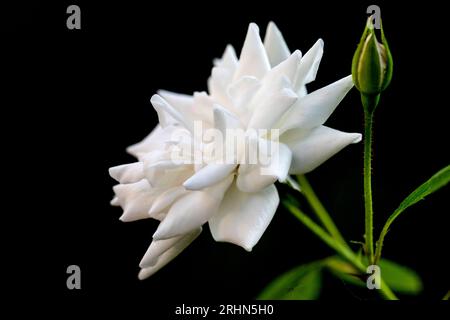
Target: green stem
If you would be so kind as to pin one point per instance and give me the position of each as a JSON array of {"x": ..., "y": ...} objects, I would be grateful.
[
  {"x": 341, "y": 249},
  {"x": 319, "y": 209},
  {"x": 325, "y": 237},
  {"x": 368, "y": 119},
  {"x": 380, "y": 241},
  {"x": 387, "y": 292}
]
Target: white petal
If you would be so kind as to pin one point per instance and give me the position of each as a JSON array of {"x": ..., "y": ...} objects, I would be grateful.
[
  {"x": 226, "y": 150},
  {"x": 115, "y": 202},
  {"x": 266, "y": 114},
  {"x": 223, "y": 120},
  {"x": 162, "y": 165},
  {"x": 243, "y": 217},
  {"x": 280, "y": 162},
  {"x": 275, "y": 46},
  {"x": 203, "y": 108},
  {"x": 190, "y": 107},
  {"x": 255, "y": 177},
  {"x": 163, "y": 108},
  {"x": 253, "y": 60},
  {"x": 250, "y": 179},
  {"x": 152, "y": 141},
  {"x": 218, "y": 84},
  {"x": 192, "y": 210},
  {"x": 135, "y": 199},
  {"x": 165, "y": 199},
  {"x": 269, "y": 88},
  {"x": 222, "y": 76},
  {"x": 177, "y": 100},
  {"x": 242, "y": 91},
  {"x": 161, "y": 177},
  {"x": 314, "y": 109},
  {"x": 209, "y": 176},
  {"x": 302, "y": 92},
  {"x": 310, "y": 151},
  {"x": 229, "y": 59},
  {"x": 159, "y": 247},
  {"x": 287, "y": 68},
  {"x": 155, "y": 163},
  {"x": 309, "y": 65},
  {"x": 169, "y": 255},
  {"x": 127, "y": 173}
]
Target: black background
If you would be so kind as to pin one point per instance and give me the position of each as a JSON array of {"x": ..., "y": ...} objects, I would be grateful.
[{"x": 80, "y": 97}]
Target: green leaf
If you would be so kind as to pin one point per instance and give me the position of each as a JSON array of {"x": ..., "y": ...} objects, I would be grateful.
[
  {"x": 344, "y": 271},
  {"x": 447, "y": 295},
  {"x": 400, "y": 278},
  {"x": 301, "y": 283},
  {"x": 436, "y": 182}
]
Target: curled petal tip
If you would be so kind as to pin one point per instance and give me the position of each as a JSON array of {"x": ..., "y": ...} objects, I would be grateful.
[
  {"x": 254, "y": 27},
  {"x": 157, "y": 235},
  {"x": 272, "y": 24},
  {"x": 297, "y": 53},
  {"x": 115, "y": 201},
  {"x": 357, "y": 137},
  {"x": 144, "y": 274},
  {"x": 113, "y": 173},
  {"x": 189, "y": 184}
]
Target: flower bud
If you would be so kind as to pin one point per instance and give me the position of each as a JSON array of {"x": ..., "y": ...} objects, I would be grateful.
[{"x": 372, "y": 63}]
